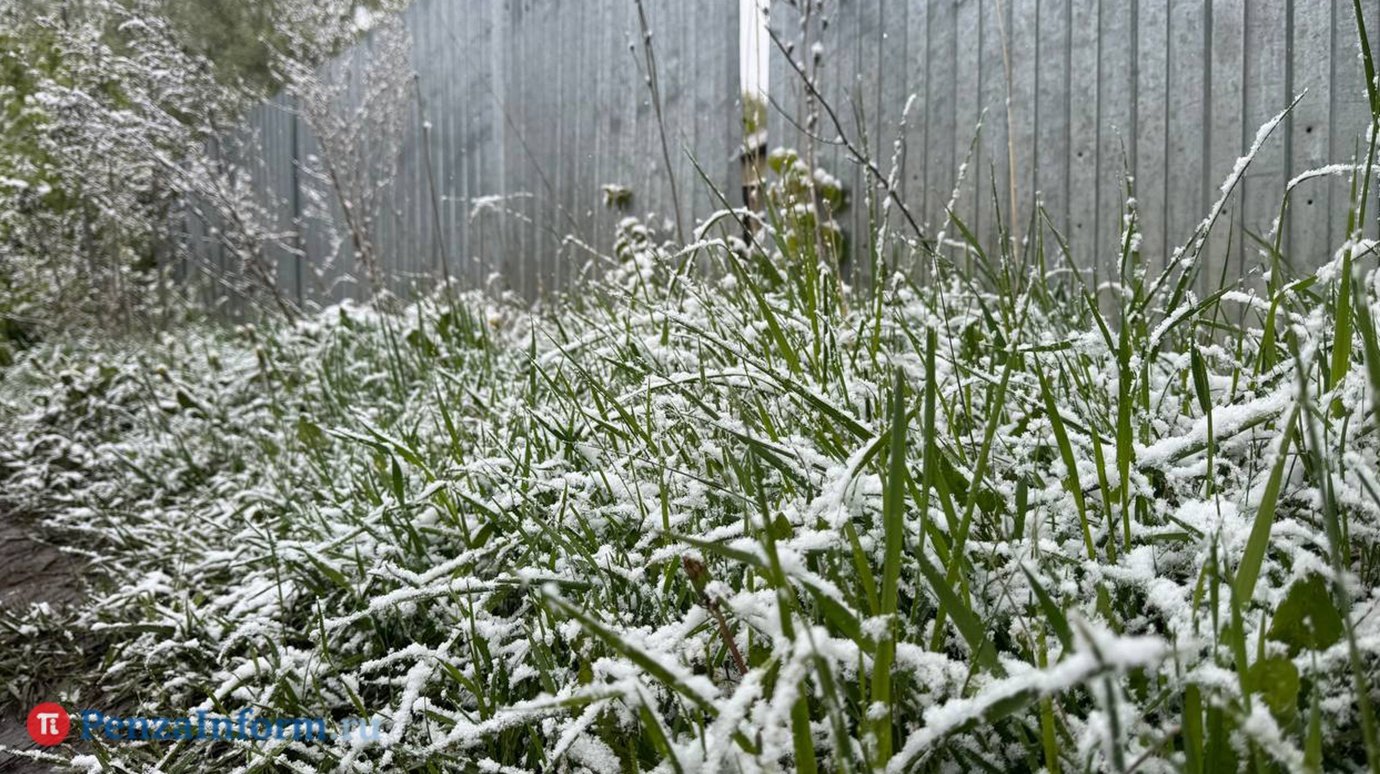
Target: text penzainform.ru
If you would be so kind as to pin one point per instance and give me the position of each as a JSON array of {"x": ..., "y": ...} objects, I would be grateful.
[{"x": 49, "y": 724}]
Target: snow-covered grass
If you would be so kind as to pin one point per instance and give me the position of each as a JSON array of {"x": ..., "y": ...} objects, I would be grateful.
[
  {"x": 714, "y": 521},
  {"x": 721, "y": 512}
]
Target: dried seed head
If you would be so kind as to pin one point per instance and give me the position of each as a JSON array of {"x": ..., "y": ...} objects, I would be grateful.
[{"x": 697, "y": 572}]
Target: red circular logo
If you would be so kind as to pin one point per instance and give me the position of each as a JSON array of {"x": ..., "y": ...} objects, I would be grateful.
[{"x": 49, "y": 724}]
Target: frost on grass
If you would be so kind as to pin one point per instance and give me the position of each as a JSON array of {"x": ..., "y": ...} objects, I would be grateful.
[{"x": 543, "y": 540}]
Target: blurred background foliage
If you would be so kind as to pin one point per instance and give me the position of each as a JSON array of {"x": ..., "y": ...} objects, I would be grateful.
[{"x": 101, "y": 103}]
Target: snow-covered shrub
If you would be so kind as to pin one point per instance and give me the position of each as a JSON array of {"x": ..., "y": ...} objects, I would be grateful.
[
  {"x": 103, "y": 106},
  {"x": 358, "y": 161},
  {"x": 114, "y": 134}
]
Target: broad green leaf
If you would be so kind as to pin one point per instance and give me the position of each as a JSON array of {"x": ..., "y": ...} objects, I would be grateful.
[
  {"x": 1307, "y": 619},
  {"x": 1276, "y": 680}
]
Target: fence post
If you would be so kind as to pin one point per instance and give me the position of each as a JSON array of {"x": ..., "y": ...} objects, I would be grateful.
[{"x": 298, "y": 243}]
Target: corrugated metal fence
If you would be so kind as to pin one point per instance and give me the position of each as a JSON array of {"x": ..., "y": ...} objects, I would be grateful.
[
  {"x": 1171, "y": 90},
  {"x": 524, "y": 109}
]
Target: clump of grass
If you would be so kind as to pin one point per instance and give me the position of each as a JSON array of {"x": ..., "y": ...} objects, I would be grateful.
[{"x": 748, "y": 518}]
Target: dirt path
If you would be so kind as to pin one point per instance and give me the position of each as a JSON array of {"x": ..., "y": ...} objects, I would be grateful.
[{"x": 31, "y": 571}]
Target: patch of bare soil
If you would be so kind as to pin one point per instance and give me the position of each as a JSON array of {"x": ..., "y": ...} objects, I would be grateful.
[{"x": 31, "y": 572}]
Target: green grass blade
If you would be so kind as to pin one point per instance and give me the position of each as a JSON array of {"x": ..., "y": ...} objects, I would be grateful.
[
  {"x": 962, "y": 616},
  {"x": 1370, "y": 342},
  {"x": 1259, "y": 540},
  {"x": 645, "y": 661},
  {"x": 1054, "y": 615},
  {"x": 893, "y": 514},
  {"x": 1061, "y": 439}
]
